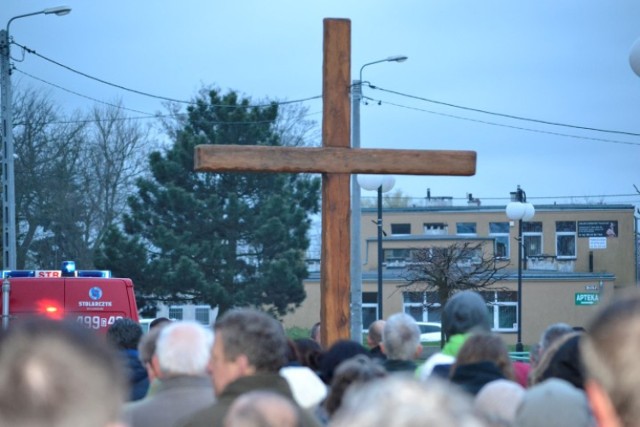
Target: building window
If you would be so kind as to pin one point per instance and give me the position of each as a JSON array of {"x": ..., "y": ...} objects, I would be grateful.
[
  {"x": 396, "y": 258},
  {"x": 503, "y": 309},
  {"x": 466, "y": 228},
  {"x": 532, "y": 236},
  {"x": 435, "y": 228},
  {"x": 400, "y": 229},
  {"x": 202, "y": 314},
  {"x": 422, "y": 306},
  {"x": 500, "y": 233},
  {"x": 175, "y": 313},
  {"x": 369, "y": 309},
  {"x": 566, "y": 233}
]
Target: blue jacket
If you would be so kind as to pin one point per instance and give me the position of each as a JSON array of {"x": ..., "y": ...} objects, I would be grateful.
[{"x": 137, "y": 375}]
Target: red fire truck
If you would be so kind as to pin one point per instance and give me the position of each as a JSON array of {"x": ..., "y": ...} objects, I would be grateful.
[{"x": 90, "y": 297}]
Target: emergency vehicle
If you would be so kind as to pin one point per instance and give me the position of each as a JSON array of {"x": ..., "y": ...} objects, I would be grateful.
[{"x": 90, "y": 297}]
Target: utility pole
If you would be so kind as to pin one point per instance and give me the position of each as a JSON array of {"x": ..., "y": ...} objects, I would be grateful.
[
  {"x": 8, "y": 159},
  {"x": 356, "y": 261}
]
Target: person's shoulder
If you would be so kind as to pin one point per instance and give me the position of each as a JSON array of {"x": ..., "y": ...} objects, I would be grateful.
[
  {"x": 425, "y": 370},
  {"x": 204, "y": 417}
]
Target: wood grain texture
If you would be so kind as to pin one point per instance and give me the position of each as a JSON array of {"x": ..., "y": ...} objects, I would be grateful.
[
  {"x": 335, "y": 262},
  {"x": 329, "y": 159}
]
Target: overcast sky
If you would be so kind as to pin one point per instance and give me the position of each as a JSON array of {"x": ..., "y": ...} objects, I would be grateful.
[{"x": 564, "y": 62}]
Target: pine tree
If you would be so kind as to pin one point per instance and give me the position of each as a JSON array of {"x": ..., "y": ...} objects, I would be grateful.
[{"x": 224, "y": 239}]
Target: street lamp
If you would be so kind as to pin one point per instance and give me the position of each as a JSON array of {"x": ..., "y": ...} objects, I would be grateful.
[
  {"x": 519, "y": 209},
  {"x": 634, "y": 57},
  {"x": 356, "y": 262},
  {"x": 8, "y": 170},
  {"x": 381, "y": 184}
]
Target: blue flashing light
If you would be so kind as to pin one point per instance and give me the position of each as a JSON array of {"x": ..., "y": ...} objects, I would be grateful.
[
  {"x": 68, "y": 269},
  {"x": 18, "y": 273},
  {"x": 94, "y": 273}
]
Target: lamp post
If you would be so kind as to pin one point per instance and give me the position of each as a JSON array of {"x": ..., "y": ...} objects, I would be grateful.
[
  {"x": 356, "y": 262},
  {"x": 519, "y": 209},
  {"x": 8, "y": 171},
  {"x": 381, "y": 184}
]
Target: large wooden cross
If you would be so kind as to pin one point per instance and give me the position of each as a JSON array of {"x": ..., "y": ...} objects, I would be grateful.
[{"x": 336, "y": 161}]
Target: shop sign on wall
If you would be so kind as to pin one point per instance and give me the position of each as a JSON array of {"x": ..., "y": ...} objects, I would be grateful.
[
  {"x": 587, "y": 298},
  {"x": 597, "y": 228}
]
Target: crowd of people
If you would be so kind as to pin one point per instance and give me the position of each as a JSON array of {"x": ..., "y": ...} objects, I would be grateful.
[{"x": 245, "y": 372}]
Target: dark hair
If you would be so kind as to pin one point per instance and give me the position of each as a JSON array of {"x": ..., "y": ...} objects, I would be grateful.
[
  {"x": 357, "y": 370},
  {"x": 125, "y": 334},
  {"x": 561, "y": 360},
  {"x": 148, "y": 342},
  {"x": 158, "y": 321},
  {"x": 315, "y": 330},
  {"x": 339, "y": 352},
  {"x": 309, "y": 352}
]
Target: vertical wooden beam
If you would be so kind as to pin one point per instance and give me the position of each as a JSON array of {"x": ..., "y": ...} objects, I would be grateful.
[{"x": 336, "y": 131}]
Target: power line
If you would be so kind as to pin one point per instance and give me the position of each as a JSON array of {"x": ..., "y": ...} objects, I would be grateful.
[
  {"x": 379, "y": 102},
  {"x": 146, "y": 115},
  {"x": 149, "y": 115},
  {"x": 150, "y": 95},
  {"x": 510, "y": 116}
]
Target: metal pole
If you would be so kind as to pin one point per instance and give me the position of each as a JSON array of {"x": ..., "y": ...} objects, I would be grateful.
[
  {"x": 6, "y": 292},
  {"x": 356, "y": 261},
  {"x": 380, "y": 255},
  {"x": 519, "y": 346},
  {"x": 8, "y": 171}
]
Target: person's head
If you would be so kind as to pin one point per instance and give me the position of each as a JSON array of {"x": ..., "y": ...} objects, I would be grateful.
[
  {"x": 58, "y": 374},
  {"x": 610, "y": 352},
  {"x": 553, "y": 333},
  {"x": 401, "y": 337},
  {"x": 374, "y": 337},
  {"x": 534, "y": 354},
  {"x": 340, "y": 351},
  {"x": 308, "y": 352},
  {"x": 464, "y": 312},
  {"x": 247, "y": 342},
  {"x": 401, "y": 401},
  {"x": 262, "y": 408},
  {"x": 125, "y": 334},
  {"x": 159, "y": 321},
  {"x": 147, "y": 349},
  {"x": 554, "y": 403},
  {"x": 315, "y": 333},
  {"x": 561, "y": 360},
  {"x": 485, "y": 347},
  {"x": 498, "y": 400},
  {"x": 357, "y": 370},
  {"x": 184, "y": 348}
]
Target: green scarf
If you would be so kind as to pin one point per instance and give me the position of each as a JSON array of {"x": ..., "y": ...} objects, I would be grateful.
[{"x": 452, "y": 347}]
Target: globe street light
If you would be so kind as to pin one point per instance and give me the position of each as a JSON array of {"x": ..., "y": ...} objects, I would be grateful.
[
  {"x": 381, "y": 184},
  {"x": 356, "y": 262},
  {"x": 519, "y": 209},
  {"x": 634, "y": 57},
  {"x": 8, "y": 170}
]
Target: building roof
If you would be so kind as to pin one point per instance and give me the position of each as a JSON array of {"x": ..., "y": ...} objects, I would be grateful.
[{"x": 501, "y": 208}]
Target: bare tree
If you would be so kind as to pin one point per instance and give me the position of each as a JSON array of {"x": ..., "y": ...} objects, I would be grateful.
[
  {"x": 72, "y": 177},
  {"x": 393, "y": 199},
  {"x": 46, "y": 155},
  {"x": 295, "y": 127},
  {"x": 446, "y": 270},
  {"x": 114, "y": 156}
]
